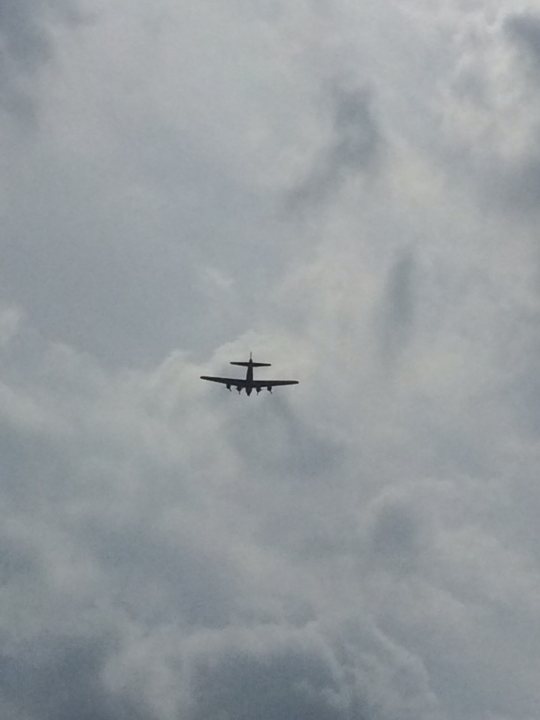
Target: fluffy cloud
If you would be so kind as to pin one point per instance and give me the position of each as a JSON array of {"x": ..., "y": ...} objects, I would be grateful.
[{"x": 342, "y": 190}]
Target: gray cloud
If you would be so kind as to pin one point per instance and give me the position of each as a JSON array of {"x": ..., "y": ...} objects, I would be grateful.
[
  {"x": 63, "y": 683},
  {"x": 397, "y": 316},
  {"x": 27, "y": 46},
  {"x": 291, "y": 675},
  {"x": 362, "y": 546},
  {"x": 397, "y": 536},
  {"x": 495, "y": 132},
  {"x": 23, "y": 34},
  {"x": 524, "y": 30},
  {"x": 352, "y": 149}
]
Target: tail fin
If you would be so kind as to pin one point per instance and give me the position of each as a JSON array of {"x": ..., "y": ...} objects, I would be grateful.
[{"x": 250, "y": 363}]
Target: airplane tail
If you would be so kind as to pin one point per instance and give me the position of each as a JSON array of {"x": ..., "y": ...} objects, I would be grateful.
[{"x": 251, "y": 364}]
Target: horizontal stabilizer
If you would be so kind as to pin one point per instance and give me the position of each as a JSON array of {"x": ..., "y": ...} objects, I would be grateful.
[{"x": 251, "y": 364}]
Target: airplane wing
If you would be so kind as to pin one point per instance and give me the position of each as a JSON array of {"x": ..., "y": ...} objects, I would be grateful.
[
  {"x": 229, "y": 382},
  {"x": 272, "y": 383}
]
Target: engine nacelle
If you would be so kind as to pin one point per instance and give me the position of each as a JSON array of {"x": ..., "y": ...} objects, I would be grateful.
[
  {"x": 228, "y": 387},
  {"x": 258, "y": 389},
  {"x": 269, "y": 388}
]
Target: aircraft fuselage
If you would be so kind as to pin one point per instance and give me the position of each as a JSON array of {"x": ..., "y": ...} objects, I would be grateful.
[{"x": 249, "y": 379}]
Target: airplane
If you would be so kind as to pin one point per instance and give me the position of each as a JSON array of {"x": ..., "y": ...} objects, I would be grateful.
[{"x": 249, "y": 384}]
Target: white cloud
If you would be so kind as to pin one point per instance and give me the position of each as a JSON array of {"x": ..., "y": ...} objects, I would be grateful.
[{"x": 362, "y": 546}]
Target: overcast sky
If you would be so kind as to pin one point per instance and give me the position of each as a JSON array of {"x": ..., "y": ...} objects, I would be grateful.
[{"x": 350, "y": 190}]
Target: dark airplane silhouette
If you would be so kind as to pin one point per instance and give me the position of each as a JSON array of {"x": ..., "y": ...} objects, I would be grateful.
[{"x": 249, "y": 384}]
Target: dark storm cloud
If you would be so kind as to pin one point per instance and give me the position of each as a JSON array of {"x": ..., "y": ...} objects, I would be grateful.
[
  {"x": 395, "y": 319},
  {"x": 289, "y": 676},
  {"x": 63, "y": 681},
  {"x": 196, "y": 590},
  {"x": 277, "y": 671},
  {"x": 26, "y": 45},
  {"x": 395, "y": 532},
  {"x": 519, "y": 182},
  {"x": 357, "y": 135},
  {"x": 352, "y": 149},
  {"x": 524, "y": 31},
  {"x": 25, "y": 40},
  {"x": 398, "y": 533},
  {"x": 47, "y": 668}
]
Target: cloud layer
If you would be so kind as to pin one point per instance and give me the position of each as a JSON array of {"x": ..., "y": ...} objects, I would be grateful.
[{"x": 348, "y": 191}]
